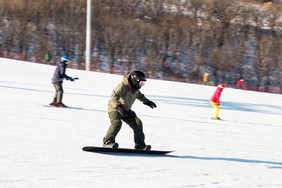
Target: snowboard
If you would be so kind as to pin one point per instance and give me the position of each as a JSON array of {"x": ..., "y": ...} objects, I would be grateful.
[{"x": 123, "y": 150}]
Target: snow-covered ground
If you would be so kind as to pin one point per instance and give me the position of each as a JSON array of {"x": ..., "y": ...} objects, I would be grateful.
[{"x": 41, "y": 146}]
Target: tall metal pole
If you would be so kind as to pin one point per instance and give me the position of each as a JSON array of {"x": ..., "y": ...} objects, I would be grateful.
[{"x": 88, "y": 36}]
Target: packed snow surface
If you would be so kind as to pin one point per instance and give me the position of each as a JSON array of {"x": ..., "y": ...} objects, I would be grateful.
[{"x": 42, "y": 146}]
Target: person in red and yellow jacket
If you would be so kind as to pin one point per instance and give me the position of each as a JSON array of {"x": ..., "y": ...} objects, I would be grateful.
[{"x": 215, "y": 100}]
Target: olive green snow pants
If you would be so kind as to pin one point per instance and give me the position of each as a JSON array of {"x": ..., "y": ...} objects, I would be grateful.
[
  {"x": 59, "y": 93},
  {"x": 132, "y": 120}
]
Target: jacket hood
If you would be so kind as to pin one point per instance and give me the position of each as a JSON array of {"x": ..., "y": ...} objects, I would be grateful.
[{"x": 125, "y": 78}]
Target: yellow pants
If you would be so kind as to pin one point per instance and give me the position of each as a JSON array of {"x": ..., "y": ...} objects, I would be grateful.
[{"x": 216, "y": 109}]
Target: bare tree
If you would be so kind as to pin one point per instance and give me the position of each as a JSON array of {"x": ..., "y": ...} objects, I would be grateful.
[{"x": 221, "y": 14}]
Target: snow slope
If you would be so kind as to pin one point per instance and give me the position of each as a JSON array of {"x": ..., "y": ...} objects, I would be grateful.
[{"x": 41, "y": 146}]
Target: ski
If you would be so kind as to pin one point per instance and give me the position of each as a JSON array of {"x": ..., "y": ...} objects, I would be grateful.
[{"x": 70, "y": 107}]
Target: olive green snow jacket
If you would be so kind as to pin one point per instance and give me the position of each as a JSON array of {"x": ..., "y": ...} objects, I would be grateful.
[{"x": 125, "y": 95}]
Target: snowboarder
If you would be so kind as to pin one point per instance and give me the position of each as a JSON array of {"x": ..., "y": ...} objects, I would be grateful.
[
  {"x": 57, "y": 80},
  {"x": 215, "y": 100},
  {"x": 119, "y": 109}
]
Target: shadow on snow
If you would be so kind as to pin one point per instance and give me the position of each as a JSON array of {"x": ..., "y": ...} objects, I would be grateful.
[
  {"x": 183, "y": 101},
  {"x": 238, "y": 160}
]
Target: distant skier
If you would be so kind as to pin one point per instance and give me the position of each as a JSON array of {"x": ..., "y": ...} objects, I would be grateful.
[
  {"x": 57, "y": 80},
  {"x": 119, "y": 109},
  {"x": 206, "y": 78},
  {"x": 215, "y": 100},
  {"x": 48, "y": 58},
  {"x": 240, "y": 83}
]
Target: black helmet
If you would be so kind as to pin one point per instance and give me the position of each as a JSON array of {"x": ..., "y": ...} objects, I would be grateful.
[{"x": 137, "y": 77}]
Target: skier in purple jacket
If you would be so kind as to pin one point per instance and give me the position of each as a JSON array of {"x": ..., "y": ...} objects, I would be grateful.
[{"x": 57, "y": 80}]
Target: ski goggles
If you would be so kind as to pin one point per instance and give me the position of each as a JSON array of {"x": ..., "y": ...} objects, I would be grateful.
[
  {"x": 66, "y": 62},
  {"x": 141, "y": 83}
]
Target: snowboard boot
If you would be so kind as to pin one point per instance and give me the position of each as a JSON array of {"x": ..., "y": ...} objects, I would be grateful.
[
  {"x": 53, "y": 103},
  {"x": 109, "y": 144},
  {"x": 216, "y": 118},
  {"x": 142, "y": 146}
]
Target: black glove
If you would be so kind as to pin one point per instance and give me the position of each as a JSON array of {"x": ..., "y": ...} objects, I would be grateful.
[
  {"x": 122, "y": 111},
  {"x": 150, "y": 103},
  {"x": 73, "y": 79}
]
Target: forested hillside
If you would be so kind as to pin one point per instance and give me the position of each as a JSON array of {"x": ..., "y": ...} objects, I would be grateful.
[{"x": 166, "y": 38}]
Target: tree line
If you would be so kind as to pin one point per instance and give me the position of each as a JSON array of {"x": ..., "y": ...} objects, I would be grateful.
[{"x": 230, "y": 40}]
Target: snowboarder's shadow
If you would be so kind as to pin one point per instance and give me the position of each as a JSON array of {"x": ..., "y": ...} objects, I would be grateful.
[
  {"x": 250, "y": 161},
  {"x": 276, "y": 165}
]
